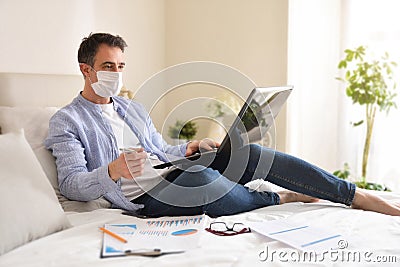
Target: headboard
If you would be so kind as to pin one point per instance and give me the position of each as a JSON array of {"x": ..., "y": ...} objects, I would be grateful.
[{"x": 38, "y": 90}]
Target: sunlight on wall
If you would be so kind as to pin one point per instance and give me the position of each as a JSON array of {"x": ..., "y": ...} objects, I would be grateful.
[{"x": 312, "y": 59}]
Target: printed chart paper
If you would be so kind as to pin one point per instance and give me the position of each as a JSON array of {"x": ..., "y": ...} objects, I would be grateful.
[{"x": 166, "y": 234}]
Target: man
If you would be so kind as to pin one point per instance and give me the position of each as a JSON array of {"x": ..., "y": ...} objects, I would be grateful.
[{"x": 86, "y": 135}]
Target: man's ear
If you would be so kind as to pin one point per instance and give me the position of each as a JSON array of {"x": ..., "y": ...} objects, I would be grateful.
[{"x": 85, "y": 69}]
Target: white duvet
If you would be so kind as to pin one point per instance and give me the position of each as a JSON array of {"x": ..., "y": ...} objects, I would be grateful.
[{"x": 372, "y": 240}]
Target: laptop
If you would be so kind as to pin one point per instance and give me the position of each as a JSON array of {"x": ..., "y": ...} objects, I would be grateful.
[{"x": 251, "y": 124}]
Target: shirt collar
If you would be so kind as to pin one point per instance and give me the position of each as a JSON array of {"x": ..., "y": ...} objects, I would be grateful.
[{"x": 95, "y": 106}]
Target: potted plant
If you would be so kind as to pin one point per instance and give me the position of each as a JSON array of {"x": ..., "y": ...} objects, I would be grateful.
[
  {"x": 182, "y": 131},
  {"x": 369, "y": 83},
  {"x": 224, "y": 104},
  {"x": 215, "y": 109}
]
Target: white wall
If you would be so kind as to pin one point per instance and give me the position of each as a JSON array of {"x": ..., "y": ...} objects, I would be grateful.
[
  {"x": 43, "y": 36},
  {"x": 250, "y": 36},
  {"x": 313, "y": 57}
]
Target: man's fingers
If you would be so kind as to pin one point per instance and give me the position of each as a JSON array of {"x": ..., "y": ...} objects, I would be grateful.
[
  {"x": 133, "y": 163},
  {"x": 208, "y": 144},
  {"x": 135, "y": 156},
  {"x": 136, "y": 171},
  {"x": 205, "y": 147},
  {"x": 140, "y": 149}
]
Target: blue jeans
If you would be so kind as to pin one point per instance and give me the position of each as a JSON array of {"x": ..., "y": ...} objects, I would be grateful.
[{"x": 219, "y": 189}]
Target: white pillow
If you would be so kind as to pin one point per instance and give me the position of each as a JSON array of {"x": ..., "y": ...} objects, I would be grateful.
[
  {"x": 29, "y": 207},
  {"x": 35, "y": 122}
]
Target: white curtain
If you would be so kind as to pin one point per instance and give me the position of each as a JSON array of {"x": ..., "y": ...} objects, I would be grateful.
[{"x": 319, "y": 112}]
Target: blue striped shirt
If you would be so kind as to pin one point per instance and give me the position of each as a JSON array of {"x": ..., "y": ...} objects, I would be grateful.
[{"x": 83, "y": 143}]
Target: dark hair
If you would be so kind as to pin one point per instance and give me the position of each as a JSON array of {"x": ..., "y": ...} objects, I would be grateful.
[{"x": 90, "y": 45}]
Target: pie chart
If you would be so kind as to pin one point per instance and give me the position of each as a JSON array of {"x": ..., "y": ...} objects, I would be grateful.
[{"x": 184, "y": 232}]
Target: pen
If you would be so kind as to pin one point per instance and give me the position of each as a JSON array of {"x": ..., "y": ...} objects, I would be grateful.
[
  {"x": 114, "y": 235},
  {"x": 128, "y": 150},
  {"x": 144, "y": 252}
]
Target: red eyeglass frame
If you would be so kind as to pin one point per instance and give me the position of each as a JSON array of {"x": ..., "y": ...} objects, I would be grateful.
[{"x": 229, "y": 230}]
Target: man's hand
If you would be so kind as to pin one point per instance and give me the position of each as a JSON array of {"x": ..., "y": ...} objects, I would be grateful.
[
  {"x": 128, "y": 165},
  {"x": 200, "y": 146}
]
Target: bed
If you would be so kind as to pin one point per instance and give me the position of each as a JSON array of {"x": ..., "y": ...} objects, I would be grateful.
[{"x": 40, "y": 227}]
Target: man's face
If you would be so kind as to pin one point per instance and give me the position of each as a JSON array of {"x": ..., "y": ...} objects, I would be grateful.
[{"x": 107, "y": 58}]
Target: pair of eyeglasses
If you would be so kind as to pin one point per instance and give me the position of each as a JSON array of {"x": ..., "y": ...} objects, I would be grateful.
[{"x": 222, "y": 229}]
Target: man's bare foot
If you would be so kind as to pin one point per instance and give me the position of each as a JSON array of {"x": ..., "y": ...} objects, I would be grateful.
[
  {"x": 366, "y": 201},
  {"x": 290, "y": 196}
]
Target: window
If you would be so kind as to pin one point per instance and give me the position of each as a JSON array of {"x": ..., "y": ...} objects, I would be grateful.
[{"x": 319, "y": 112}]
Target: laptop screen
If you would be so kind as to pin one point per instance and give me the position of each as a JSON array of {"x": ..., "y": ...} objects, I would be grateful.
[
  {"x": 256, "y": 117},
  {"x": 249, "y": 126}
]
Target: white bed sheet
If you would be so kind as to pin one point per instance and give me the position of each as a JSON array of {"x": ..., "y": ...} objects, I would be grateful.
[{"x": 370, "y": 233}]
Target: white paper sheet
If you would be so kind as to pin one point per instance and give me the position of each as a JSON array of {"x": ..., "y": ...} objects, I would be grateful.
[
  {"x": 302, "y": 236},
  {"x": 165, "y": 235}
]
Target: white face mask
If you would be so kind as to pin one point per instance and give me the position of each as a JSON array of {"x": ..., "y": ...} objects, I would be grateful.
[{"x": 109, "y": 83}]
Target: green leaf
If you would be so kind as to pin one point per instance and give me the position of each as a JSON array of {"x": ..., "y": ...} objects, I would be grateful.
[
  {"x": 355, "y": 124},
  {"x": 342, "y": 64},
  {"x": 343, "y": 174}
]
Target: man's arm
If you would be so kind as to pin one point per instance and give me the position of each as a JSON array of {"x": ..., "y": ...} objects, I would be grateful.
[{"x": 68, "y": 145}]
